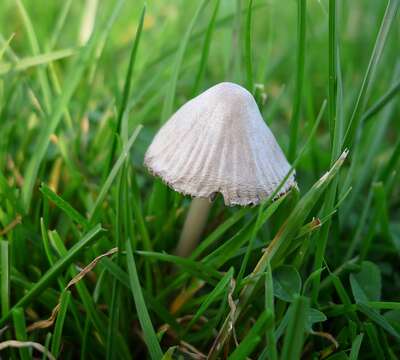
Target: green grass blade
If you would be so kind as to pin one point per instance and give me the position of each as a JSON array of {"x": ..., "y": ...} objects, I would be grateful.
[
  {"x": 74, "y": 76},
  {"x": 143, "y": 314},
  {"x": 5, "y": 277},
  {"x": 259, "y": 221},
  {"x": 127, "y": 88},
  {"x": 63, "y": 205},
  {"x": 342, "y": 293},
  {"x": 252, "y": 338},
  {"x": 40, "y": 59},
  {"x": 197, "y": 269},
  {"x": 336, "y": 125},
  {"x": 53, "y": 272},
  {"x": 43, "y": 80},
  {"x": 168, "y": 105},
  {"x": 156, "y": 305},
  {"x": 211, "y": 297},
  {"x": 218, "y": 232},
  {"x": 139, "y": 215},
  {"x": 247, "y": 54},
  {"x": 388, "y": 305},
  {"x": 235, "y": 64},
  {"x": 168, "y": 355},
  {"x": 113, "y": 321},
  {"x": 269, "y": 305},
  {"x": 294, "y": 336},
  {"x": 5, "y": 46},
  {"x": 369, "y": 77},
  {"x": 87, "y": 300},
  {"x": 381, "y": 102},
  {"x": 378, "y": 319},
  {"x": 374, "y": 341},
  {"x": 297, "y": 216},
  {"x": 300, "y": 59},
  {"x": 276, "y": 249},
  {"x": 205, "y": 50},
  {"x": 58, "y": 328},
  {"x": 115, "y": 302},
  {"x": 47, "y": 346},
  {"x": 113, "y": 173},
  {"x": 63, "y": 14},
  {"x": 355, "y": 347},
  {"x": 58, "y": 109},
  {"x": 20, "y": 331},
  {"x": 332, "y": 71}
]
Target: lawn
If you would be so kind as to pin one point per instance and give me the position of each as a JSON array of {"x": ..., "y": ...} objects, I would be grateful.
[{"x": 88, "y": 268}]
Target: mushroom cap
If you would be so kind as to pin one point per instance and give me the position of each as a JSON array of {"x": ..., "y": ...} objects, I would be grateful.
[{"x": 219, "y": 142}]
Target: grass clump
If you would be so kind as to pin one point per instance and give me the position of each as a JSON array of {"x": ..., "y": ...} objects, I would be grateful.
[{"x": 87, "y": 235}]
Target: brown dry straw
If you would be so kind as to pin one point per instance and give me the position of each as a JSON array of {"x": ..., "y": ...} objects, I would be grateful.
[{"x": 42, "y": 324}]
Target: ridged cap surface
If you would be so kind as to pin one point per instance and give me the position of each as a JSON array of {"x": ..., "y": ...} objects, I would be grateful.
[{"x": 218, "y": 142}]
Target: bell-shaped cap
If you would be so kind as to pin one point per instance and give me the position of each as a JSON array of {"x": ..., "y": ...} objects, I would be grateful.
[{"x": 218, "y": 142}]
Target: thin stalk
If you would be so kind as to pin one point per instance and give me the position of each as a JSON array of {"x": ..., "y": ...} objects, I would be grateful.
[{"x": 193, "y": 227}]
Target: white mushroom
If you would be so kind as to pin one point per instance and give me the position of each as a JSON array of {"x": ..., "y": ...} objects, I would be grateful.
[{"x": 218, "y": 142}]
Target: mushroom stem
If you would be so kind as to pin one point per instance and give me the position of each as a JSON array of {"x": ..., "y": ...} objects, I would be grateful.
[{"x": 194, "y": 225}]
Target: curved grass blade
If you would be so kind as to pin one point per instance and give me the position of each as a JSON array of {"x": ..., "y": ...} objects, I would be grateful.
[
  {"x": 277, "y": 247},
  {"x": 74, "y": 76},
  {"x": 56, "y": 339},
  {"x": 56, "y": 270},
  {"x": 259, "y": 222},
  {"x": 4, "y": 45},
  {"x": 63, "y": 205},
  {"x": 43, "y": 80},
  {"x": 206, "y": 49},
  {"x": 150, "y": 336},
  {"x": 170, "y": 96},
  {"x": 197, "y": 269},
  {"x": 113, "y": 173},
  {"x": 211, "y": 297},
  {"x": 252, "y": 338},
  {"x": 127, "y": 88},
  {"x": 381, "y": 102},
  {"x": 294, "y": 336},
  {"x": 355, "y": 347},
  {"x": 378, "y": 319},
  {"x": 40, "y": 59},
  {"x": 369, "y": 77}
]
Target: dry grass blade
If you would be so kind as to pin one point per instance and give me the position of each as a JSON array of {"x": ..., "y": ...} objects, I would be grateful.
[
  {"x": 11, "y": 225},
  {"x": 23, "y": 344},
  {"x": 230, "y": 321},
  {"x": 327, "y": 336},
  {"x": 191, "y": 351},
  {"x": 42, "y": 324},
  {"x": 185, "y": 295}
]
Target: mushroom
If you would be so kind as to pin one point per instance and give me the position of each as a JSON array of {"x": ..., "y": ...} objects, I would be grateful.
[{"x": 217, "y": 142}]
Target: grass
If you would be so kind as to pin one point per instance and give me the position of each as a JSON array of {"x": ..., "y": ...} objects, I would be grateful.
[{"x": 311, "y": 275}]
